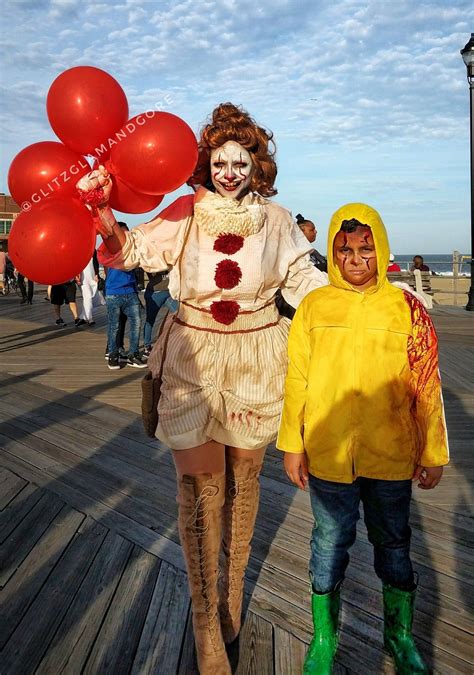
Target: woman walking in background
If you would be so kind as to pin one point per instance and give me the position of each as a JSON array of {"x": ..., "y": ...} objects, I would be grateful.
[{"x": 91, "y": 296}]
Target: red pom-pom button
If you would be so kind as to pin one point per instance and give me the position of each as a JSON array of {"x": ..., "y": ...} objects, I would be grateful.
[
  {"x": 225, "y": 311},
  {"x": 228, "y": 274},
  {"x": 228, "y": 243}
]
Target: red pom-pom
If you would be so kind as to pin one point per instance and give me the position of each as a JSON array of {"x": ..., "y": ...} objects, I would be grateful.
[
  {"x": 228, "y": 243},
  {"x": 228, "y": 274},
  {"x": 225, "y": 311}
]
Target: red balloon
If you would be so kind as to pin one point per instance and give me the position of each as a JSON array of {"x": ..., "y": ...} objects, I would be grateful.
[
  {"x": 44, "y": 169},
  {"x": 157, "y": 154},
  {"x": 85, "y": 107},
  {"x": 53, "y": 242},
  {"x": 126, "y": 200}
]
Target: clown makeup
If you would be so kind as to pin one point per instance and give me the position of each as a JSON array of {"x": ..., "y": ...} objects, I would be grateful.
[
  {"x": 231, "y": 170},
  {"x": 355, "y": 255}
]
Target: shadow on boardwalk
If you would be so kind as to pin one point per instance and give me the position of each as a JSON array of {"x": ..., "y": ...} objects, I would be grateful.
[{"x": 97, "y": 469}]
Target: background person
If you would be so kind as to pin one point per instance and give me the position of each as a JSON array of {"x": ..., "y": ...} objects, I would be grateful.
[
  {"x": 64, "y": 294},
  {"x": 309, "y": 230},
  {"x": 122, "y": 323},
  {"x": 91, "y": 296},
  {"x": 418, "y": 264},
  {"x": 8, "y": 274},
  {"x": 121, "y": 297},
  {"x": 156, "y": 296},
  {"x": 26, "y": 297},
  {"x": 3, "y": 262},
  {"x": 393, "y": 266}
]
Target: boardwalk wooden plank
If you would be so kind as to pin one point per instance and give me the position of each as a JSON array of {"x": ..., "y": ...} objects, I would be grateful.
[
  {"x": 63, "y": 445},
  {"x": 72, "y": 426},
  {"x": 256, "y": 647},
  {"x": 30, "y": 454},
  {"x": 17, "y": 596},
  {"x": 84, "y": 422},
  {"x": 135, "y": 531},
  {"x": 442, "y": 616},
  {"x": 111, "y": 417},
  {"x": 73, "y": 641},
  {"x": 59, "y": 408},
  {"x": 289, "y": 653},
  {"x": 17, "y": 510},
  {"x": 10, "y": 486},
  {"x": 29, "y": 642},
  {"x": 160, "y": 644},
  {"x": 24, "y": 537},
  {"x": 188, "y": 662},
  {"x": 116, "y": 644},
  {"x": 126, "y": 495}
]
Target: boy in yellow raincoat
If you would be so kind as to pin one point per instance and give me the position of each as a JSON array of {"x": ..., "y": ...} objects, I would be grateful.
[{"x": 362, "y": 417}]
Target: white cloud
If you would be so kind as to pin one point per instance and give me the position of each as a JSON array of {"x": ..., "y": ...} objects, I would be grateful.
[{"x": 381, "y": 72}]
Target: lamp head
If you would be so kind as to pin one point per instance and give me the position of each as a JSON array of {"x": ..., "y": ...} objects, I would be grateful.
[{"x": 467, "y": 54}]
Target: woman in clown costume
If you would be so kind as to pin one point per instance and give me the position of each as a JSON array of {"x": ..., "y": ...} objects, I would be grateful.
[{"x": 222, "y": 357}]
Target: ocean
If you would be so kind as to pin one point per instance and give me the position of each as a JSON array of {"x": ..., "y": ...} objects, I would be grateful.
[{"x": 441, "y": 264}]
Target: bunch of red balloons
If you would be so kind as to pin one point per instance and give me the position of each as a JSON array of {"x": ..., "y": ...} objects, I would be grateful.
[{"x": 53, "y": 239}]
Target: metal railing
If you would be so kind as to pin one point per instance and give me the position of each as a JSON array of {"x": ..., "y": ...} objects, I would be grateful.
[
  {"x": 459, "y": 265},
  {"x": 455, "y": 275}
]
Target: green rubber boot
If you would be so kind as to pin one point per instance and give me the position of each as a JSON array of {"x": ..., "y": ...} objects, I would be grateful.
[
  {"x": 322, "y": 650},
  {"x": 398, "y": 609}
]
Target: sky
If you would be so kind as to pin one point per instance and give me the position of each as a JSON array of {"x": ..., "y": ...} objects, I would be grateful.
[{"x": 367, "y": 99}]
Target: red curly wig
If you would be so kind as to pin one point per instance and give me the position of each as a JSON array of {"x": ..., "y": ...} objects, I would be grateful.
[{"x": 231, "y": 123}]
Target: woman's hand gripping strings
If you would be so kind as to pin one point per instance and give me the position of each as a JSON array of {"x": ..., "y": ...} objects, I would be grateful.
[
  {"x": 94, "y": 190},
  {"x": 296, "y": 467}
]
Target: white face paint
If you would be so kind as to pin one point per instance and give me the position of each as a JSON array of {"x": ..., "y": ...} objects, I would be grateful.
[{"x": 231, "y": 169}]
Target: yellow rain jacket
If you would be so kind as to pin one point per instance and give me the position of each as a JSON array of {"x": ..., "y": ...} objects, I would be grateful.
[{"x": 362, "y": 393}]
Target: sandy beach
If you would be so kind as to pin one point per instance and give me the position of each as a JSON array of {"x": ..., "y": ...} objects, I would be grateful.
[{"x": 450, "y": 291}]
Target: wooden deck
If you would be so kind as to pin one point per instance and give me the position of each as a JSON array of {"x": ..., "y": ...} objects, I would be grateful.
[{"x": 91, "y": 569}]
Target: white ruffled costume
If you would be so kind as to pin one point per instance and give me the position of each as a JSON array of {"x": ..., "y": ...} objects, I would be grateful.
[{"x": 222, "y": 381}]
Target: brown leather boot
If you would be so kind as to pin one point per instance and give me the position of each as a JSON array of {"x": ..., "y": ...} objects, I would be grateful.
[
  {"x": 200, "y": 500},
  {"x": 240, "y": 511}
]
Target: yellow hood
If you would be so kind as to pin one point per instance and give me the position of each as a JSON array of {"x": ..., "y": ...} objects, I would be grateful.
[{"x": 368, "y": 216}]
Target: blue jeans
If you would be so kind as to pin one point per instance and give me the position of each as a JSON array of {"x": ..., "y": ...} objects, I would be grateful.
[
  {"x": 336, "y": 512},
  {"x": 130, "y": 305},
  {"x": 153, "y": 303}
]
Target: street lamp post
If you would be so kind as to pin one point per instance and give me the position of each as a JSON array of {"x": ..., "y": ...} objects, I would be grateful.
[{"x": 467, "y": 54}]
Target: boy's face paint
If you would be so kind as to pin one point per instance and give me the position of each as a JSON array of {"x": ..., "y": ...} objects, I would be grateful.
[
  {"x": 231, "y": 169},
  {"x": 356, "y": 258}
]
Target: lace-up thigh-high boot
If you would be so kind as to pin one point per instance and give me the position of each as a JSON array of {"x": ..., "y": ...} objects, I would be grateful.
[
  {"x": 240, "y": 511},
  {"x": 398, "y": 609},
  {"x": 200, "y": 500}
]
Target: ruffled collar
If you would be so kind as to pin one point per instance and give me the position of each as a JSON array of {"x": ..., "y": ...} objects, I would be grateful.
[{"x": 217, "y": 215}]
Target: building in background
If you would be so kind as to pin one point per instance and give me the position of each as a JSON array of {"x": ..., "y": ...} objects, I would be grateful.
[{"x": 9, "y": 210}]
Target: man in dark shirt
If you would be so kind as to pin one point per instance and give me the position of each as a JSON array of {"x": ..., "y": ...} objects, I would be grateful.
[{"x": 418, "y": 264}]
